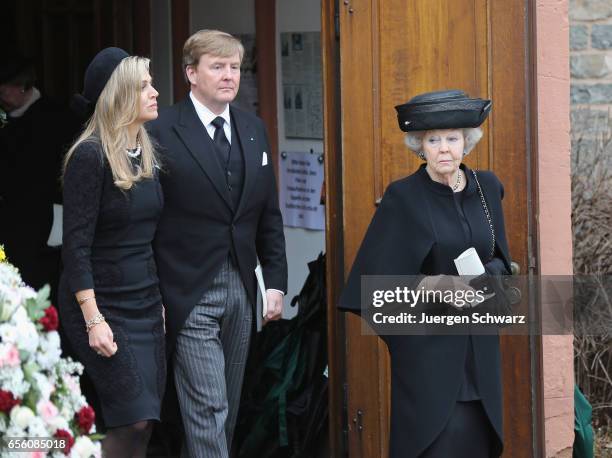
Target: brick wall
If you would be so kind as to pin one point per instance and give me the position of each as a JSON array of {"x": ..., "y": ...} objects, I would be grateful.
[{"x": 591, "y": 73}]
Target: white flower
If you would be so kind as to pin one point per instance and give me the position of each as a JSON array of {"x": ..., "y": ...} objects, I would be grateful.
[
  {"x": 27, "y": 336},
  {"x": 44, "y": 385},
  {"x": 8, "y": 333},
  {"x": 38, "y": 428},
  {"x": 22, "y": 416},
  {"x": 72, "y": 383},
  {"x": 10, "y": 297},
  {"x": 15, "y": 431},
  {"x": 12, "y": 380},
  {"x": 6, "y": 308},
  {"x": 84, "y": 448},
  {"x": 9, "y": 275},
  {"x": 50, "y": 351},
  {"x": 53, "y": 382},
  {"x": 58, "y": 422},
  {"x": 52, "y": 339},
  {"x": 20, "y": 316}
]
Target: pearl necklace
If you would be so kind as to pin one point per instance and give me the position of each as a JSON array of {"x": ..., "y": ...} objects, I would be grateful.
[
  {"x": 454, "y": 188},
  {"x": 134, "y": 152}
]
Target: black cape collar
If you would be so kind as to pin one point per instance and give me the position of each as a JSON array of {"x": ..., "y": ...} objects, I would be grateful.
[{"x": 443, "y": 189}]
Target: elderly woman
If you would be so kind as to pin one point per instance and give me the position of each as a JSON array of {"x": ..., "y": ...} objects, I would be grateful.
[{"x": 446, "y": 397}]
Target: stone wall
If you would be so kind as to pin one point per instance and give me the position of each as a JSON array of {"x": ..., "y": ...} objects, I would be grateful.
[{"x": 591, "y": 75}]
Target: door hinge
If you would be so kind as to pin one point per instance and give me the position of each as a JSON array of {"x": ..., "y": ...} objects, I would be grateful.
[
  {"x": 345, "y": 430},
  {"x": 533, "y": 263},
  {"x": 358, "y": 421},
  {"x": 337, "y": 19}
]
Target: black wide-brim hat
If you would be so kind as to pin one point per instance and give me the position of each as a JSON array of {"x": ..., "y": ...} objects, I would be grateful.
[
  {"x": 97, "y": 75},
  {"x": 450, "y": 109}
]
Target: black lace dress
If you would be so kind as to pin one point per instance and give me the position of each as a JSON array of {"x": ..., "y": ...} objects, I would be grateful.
[{"x": 107, "y": 247}]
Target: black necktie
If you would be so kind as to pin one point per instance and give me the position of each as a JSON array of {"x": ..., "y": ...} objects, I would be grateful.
[{"x": 220, "y": 141}]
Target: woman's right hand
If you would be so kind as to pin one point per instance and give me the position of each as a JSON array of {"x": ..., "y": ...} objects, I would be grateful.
[{"x": 101, "y": 340}]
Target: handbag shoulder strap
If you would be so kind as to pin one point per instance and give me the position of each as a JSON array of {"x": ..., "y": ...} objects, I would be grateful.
[{"x": 485, "y": 207}]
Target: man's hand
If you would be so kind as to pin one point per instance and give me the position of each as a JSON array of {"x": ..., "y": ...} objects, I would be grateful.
[{"x": 275, "y": 305}]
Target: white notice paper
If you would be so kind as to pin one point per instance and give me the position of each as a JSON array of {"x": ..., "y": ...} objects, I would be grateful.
[
  {"x": 469, "y": 263},
  {"x": 262, "y": 290},
  {"x": 301, "y": 181}
]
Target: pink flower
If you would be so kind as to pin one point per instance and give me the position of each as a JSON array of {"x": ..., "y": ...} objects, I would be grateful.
[
  {"x": 46, "y": 410},
  {"x": 10, "y": 357},
  {"x": 38, "y": 454}
]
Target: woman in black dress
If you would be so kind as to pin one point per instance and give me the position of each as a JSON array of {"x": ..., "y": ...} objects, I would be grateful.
[
  {"x": 446, "y": 396},
  {"x": 110, "y": 303}
]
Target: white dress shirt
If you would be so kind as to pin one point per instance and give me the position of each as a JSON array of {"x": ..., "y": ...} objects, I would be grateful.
[{"x": 207, "y": 117}]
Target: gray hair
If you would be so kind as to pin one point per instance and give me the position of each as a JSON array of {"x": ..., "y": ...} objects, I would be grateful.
[{"x": 471, "y": 136}]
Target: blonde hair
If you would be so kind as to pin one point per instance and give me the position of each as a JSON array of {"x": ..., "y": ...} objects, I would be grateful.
[
  {"x": 471, "y": 136},
  {"x": 213, "y": 42},
  {"x": 117, "y": 107}
]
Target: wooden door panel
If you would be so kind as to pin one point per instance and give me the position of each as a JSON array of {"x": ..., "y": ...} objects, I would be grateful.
[
  {"x": 366, "y": 432},
  {"x": 509, "y": 158},
  {"x": 430, "y": 45},
  {"x": 391, "y": 50}
]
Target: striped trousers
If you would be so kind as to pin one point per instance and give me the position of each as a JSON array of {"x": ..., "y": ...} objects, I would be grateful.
[{"x": 210, "y": 358}]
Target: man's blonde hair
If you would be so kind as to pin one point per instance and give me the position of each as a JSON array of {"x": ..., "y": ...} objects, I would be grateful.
[{"x": 213, "y": 42}]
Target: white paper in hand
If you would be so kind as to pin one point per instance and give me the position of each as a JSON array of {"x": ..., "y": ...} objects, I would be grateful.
[
  {"x": 468, "y": 263},
  {"x": 262, "y": 290}
]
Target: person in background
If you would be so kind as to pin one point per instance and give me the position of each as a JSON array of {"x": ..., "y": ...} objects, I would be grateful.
[
  {"x": 110, "y": 305},
  {"x": 35, "y": 133}
]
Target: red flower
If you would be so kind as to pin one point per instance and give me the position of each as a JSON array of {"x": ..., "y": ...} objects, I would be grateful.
[
  {"x": 63, "y": 434},
  {"x": 85, "y": 419},
  {"x": 50, "y": 321},
  {"x": 7, "y": 401}
]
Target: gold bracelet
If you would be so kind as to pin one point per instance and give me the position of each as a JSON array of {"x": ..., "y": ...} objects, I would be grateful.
[
  {"x": 85, "y": 299},
  {"x": 97, "y": 319}
]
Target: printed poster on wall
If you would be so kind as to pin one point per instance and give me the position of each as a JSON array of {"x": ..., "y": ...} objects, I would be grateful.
[
  {"x": 301, "y": 180},
  {"x": 302, "y": 86},
  {"x": 247, "y": 97}
]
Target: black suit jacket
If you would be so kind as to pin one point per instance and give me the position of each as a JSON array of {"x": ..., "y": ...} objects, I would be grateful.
[{"x": 198, "y": 226}]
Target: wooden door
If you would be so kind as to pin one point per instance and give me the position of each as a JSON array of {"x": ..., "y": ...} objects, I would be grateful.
[{"x": 389, "y": 51}]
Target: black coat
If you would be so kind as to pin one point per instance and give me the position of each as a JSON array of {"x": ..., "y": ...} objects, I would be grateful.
[
  {"x": 198, "y": 226},
  {"x": 417, "y": 230},
  {"x": 31, "y": 151}
]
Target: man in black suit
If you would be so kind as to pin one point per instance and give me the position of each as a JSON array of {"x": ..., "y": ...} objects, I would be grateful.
[{"x": 220, "y": 215}]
